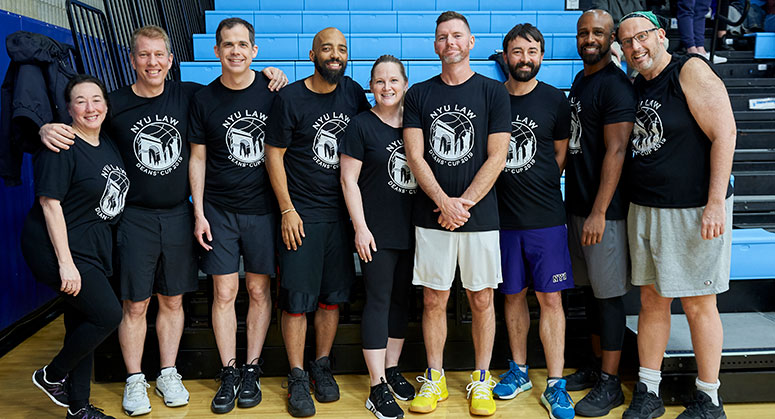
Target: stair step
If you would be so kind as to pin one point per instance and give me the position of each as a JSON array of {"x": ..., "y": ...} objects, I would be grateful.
[
  {"x": 749, "y": 82},
  {"x": 768, "y": 115},
  {"x": 741, "y": 101},
  {"x": 755, "y": 155},
  {"x": 752, "y": 138},
  {"x": 741, "y": 70},
  {"x": 755, "y": 183}
]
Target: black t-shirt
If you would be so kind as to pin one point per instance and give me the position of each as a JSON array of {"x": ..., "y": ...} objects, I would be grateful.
[
  {"x": 529, "y": 194},
  {"x": 151, "y": 136},
  {"x": 233, "y": 125},
  {"x": 311, "y": 125},
  {"x": 455, "y": 121},
  {"x": 602, "y": 98},
  {"x": 670, "y": 165},
  {"x": 386, "y": 183},
  {"x": 91, "y": 185}
]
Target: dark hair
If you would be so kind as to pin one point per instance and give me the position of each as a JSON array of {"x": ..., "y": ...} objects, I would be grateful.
[
  {"x": 232, "y": 22},
  {"x": 451, "y": 15},
  {"x": 387, "y": 58},
  {"x": 525, "y": 31},
  {"x": 85, "y": 78}
]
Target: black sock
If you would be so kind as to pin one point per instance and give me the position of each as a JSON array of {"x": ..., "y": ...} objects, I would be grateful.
[
  {"x": 53, "y": 374},
  {"x": 76, "y": 405}
]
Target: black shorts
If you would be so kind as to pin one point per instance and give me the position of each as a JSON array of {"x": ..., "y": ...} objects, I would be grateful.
[
  {"x": 250, "y": 235},
  {"x": 320, "y": 271},
  {"x": 155, "y": 249}
]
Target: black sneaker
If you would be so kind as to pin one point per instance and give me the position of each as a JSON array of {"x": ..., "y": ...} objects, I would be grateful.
[
  {"x": 88, "y": 412},
  {"x": 326, "y": 389},
  {"x": 401, "y": 388},
  {"x": 300, "y": 403},
  {"x": 604, "y": 396},
  {"x": 56, "y": 391},
  {"x": 583, "y": 378},
  {"x": 250, "y": 387},
  {"x": 382, "y": 403},
  {"x": 224, "y": 399},
  {"x": 703, "y": 408},
  {"x": 644, "y": 404}
]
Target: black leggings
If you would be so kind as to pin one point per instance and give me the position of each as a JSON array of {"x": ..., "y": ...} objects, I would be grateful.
[
  {"x": 90, "y": 316},
  {"x": 388, "y": 280},
  {"x": 606, "y": 318}
]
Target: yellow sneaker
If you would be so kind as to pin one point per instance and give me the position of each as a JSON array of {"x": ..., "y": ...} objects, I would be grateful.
[
  {"x": 480, "y": 393},
  {"x": 433, "y": 390}
]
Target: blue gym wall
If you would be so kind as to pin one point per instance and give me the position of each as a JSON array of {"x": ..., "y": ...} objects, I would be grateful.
[{"x": 19, "y": 293}]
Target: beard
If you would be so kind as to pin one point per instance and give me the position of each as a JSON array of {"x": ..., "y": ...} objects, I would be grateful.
[
  {"x": 524, "y": 76},
  {"x": 330, "y": 76},
  {"x": 594, "y": 59}
]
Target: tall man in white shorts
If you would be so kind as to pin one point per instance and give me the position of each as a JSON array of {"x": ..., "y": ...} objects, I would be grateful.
[
  {"x": 456, "y": 131},
  {"x": 680, "y": 220}
]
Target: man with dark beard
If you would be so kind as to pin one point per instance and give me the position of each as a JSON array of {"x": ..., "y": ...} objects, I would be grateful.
[
  {"x": 309, "y": 118},
  {"x": 533, "y": 236},
  {"x": 602, "y": 115}
]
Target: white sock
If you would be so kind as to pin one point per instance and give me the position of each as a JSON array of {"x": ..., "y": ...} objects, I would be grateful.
[
  {"x": 550, "y": 382},
  {"x": 711, "y": 389},
  {"x": 651, "y": 378},
  {"x": 522, "y": 368}
]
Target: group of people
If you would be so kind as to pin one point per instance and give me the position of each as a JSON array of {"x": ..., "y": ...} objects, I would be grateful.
[{"x": 458, "y": 171}]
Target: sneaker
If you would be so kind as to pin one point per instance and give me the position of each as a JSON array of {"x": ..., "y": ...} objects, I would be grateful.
[
  {"x": 401, "y": 388},
  {"x": 56, "y": 391},
  {"x": 326, "y": 389},
  {"x": 88, "y": 412},
  {"x": 512, "y": 382},
  {"x": 583, "y": 378},
  {"x": 703, "y": 408},
  {"x": 433, "y": 390},
  {"x": 382, "y": 403},
  {"x": 717, "y": 59},
  {"x": 557, "y": 401},
  {"x": 604, "y": 396},
  {"x": 170, "y": 388},
  {"x": 480, "y": 393},
  {"x": 135, "y": 396},
  {"x": 644, "y": 404},
  {"x": 250, "y": 388},
  {"x": 300, "y": 403},
  {"x": 224, "y": 399}
]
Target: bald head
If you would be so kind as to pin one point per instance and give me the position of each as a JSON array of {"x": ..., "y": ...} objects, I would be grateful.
[
  {"x": 329, "y": 53},
  {"x": 331, "y": 36},
  {"x": 598, "y": 17}
]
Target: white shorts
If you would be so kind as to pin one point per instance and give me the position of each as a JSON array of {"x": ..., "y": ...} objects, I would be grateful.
[{"x": 438, "y": 252}]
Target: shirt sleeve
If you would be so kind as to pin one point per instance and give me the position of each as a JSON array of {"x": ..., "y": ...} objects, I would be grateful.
[
  {"x": 412, "y": 109},
  {"x": 280, "y": 128},
  {"x": 196, "y": 122},
  {"x": 352, "y": 143},
  {"x": 619, "y": 102},
  {"x": 562, "y": 122},
  {"x": 53, "y": 173},
  {"x": 499, "y": 118}
]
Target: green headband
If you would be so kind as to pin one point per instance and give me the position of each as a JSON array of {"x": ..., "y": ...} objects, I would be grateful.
[{"x": 644, "y": 14}]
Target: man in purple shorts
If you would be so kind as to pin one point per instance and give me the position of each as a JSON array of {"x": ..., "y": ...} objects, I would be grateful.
[{"x": 533, "y": 236}]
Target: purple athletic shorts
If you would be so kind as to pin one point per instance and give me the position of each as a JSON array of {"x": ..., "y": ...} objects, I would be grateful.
[{"x": 539, "y": 255}]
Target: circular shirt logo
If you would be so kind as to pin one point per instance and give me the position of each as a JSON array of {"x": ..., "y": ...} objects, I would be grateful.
[
  {"x": 522, "y": 147},
  {"x": 452, "y": 136},
  {"x": 398, "y": 170},
  {"x": 647, "y": 131},
  {"x": 326, "y": 144},
  {"x": 245, "y": 139},
  {"x": 158, "y": 145}
]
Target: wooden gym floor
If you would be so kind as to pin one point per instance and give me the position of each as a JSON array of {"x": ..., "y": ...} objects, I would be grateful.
[{"x": 19, "y": 398}]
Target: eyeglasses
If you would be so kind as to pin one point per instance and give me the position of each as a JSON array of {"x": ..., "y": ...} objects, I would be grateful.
[{"x": 640, "y": 36}]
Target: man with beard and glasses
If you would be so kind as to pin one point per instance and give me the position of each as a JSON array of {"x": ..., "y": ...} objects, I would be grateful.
[
  {"x": 456, "y": 135},
  {"x": 533, "y": 236},
  {"x": 602, "y": 115},
  {"x": 309, "y": 119},
  {"x": 680, "y": 218}
]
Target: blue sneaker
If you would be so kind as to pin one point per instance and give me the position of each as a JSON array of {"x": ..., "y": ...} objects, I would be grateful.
[
  {"x": 513, "y": 382},
  {"x": 558, "y": 402}
]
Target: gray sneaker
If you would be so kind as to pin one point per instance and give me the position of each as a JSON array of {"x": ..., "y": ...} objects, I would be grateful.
[
  {"x": 170, "y": 387},
  {"x": 136, "y": 396}
]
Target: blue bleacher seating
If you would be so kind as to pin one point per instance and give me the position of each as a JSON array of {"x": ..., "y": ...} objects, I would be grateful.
[
  {"x": 314, "y": 21},
  {"x": 373, "y": 22},
  {"x": 278, "y": 22},
  {"x": 765, "y": 45}
]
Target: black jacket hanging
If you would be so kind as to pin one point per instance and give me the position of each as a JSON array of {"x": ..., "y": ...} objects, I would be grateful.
[{"x": 32, "y": 94}]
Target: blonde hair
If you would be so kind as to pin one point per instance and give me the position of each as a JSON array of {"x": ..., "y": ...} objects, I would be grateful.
[{"x": 152, "y": 32}]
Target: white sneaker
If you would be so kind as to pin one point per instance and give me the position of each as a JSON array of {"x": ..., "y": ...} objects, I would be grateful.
[
  {"x": 171, "y": 388},
  {"x": 716, "y": 58},
  {"x": 135, "y": 396}
]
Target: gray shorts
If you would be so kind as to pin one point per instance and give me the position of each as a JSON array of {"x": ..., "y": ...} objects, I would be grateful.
[
  {"x": 604, "y": 266},
  {"x": 668, "y": 251}
]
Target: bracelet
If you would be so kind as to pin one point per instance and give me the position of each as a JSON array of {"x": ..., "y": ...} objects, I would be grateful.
[{"x": 283, "y": 212}]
